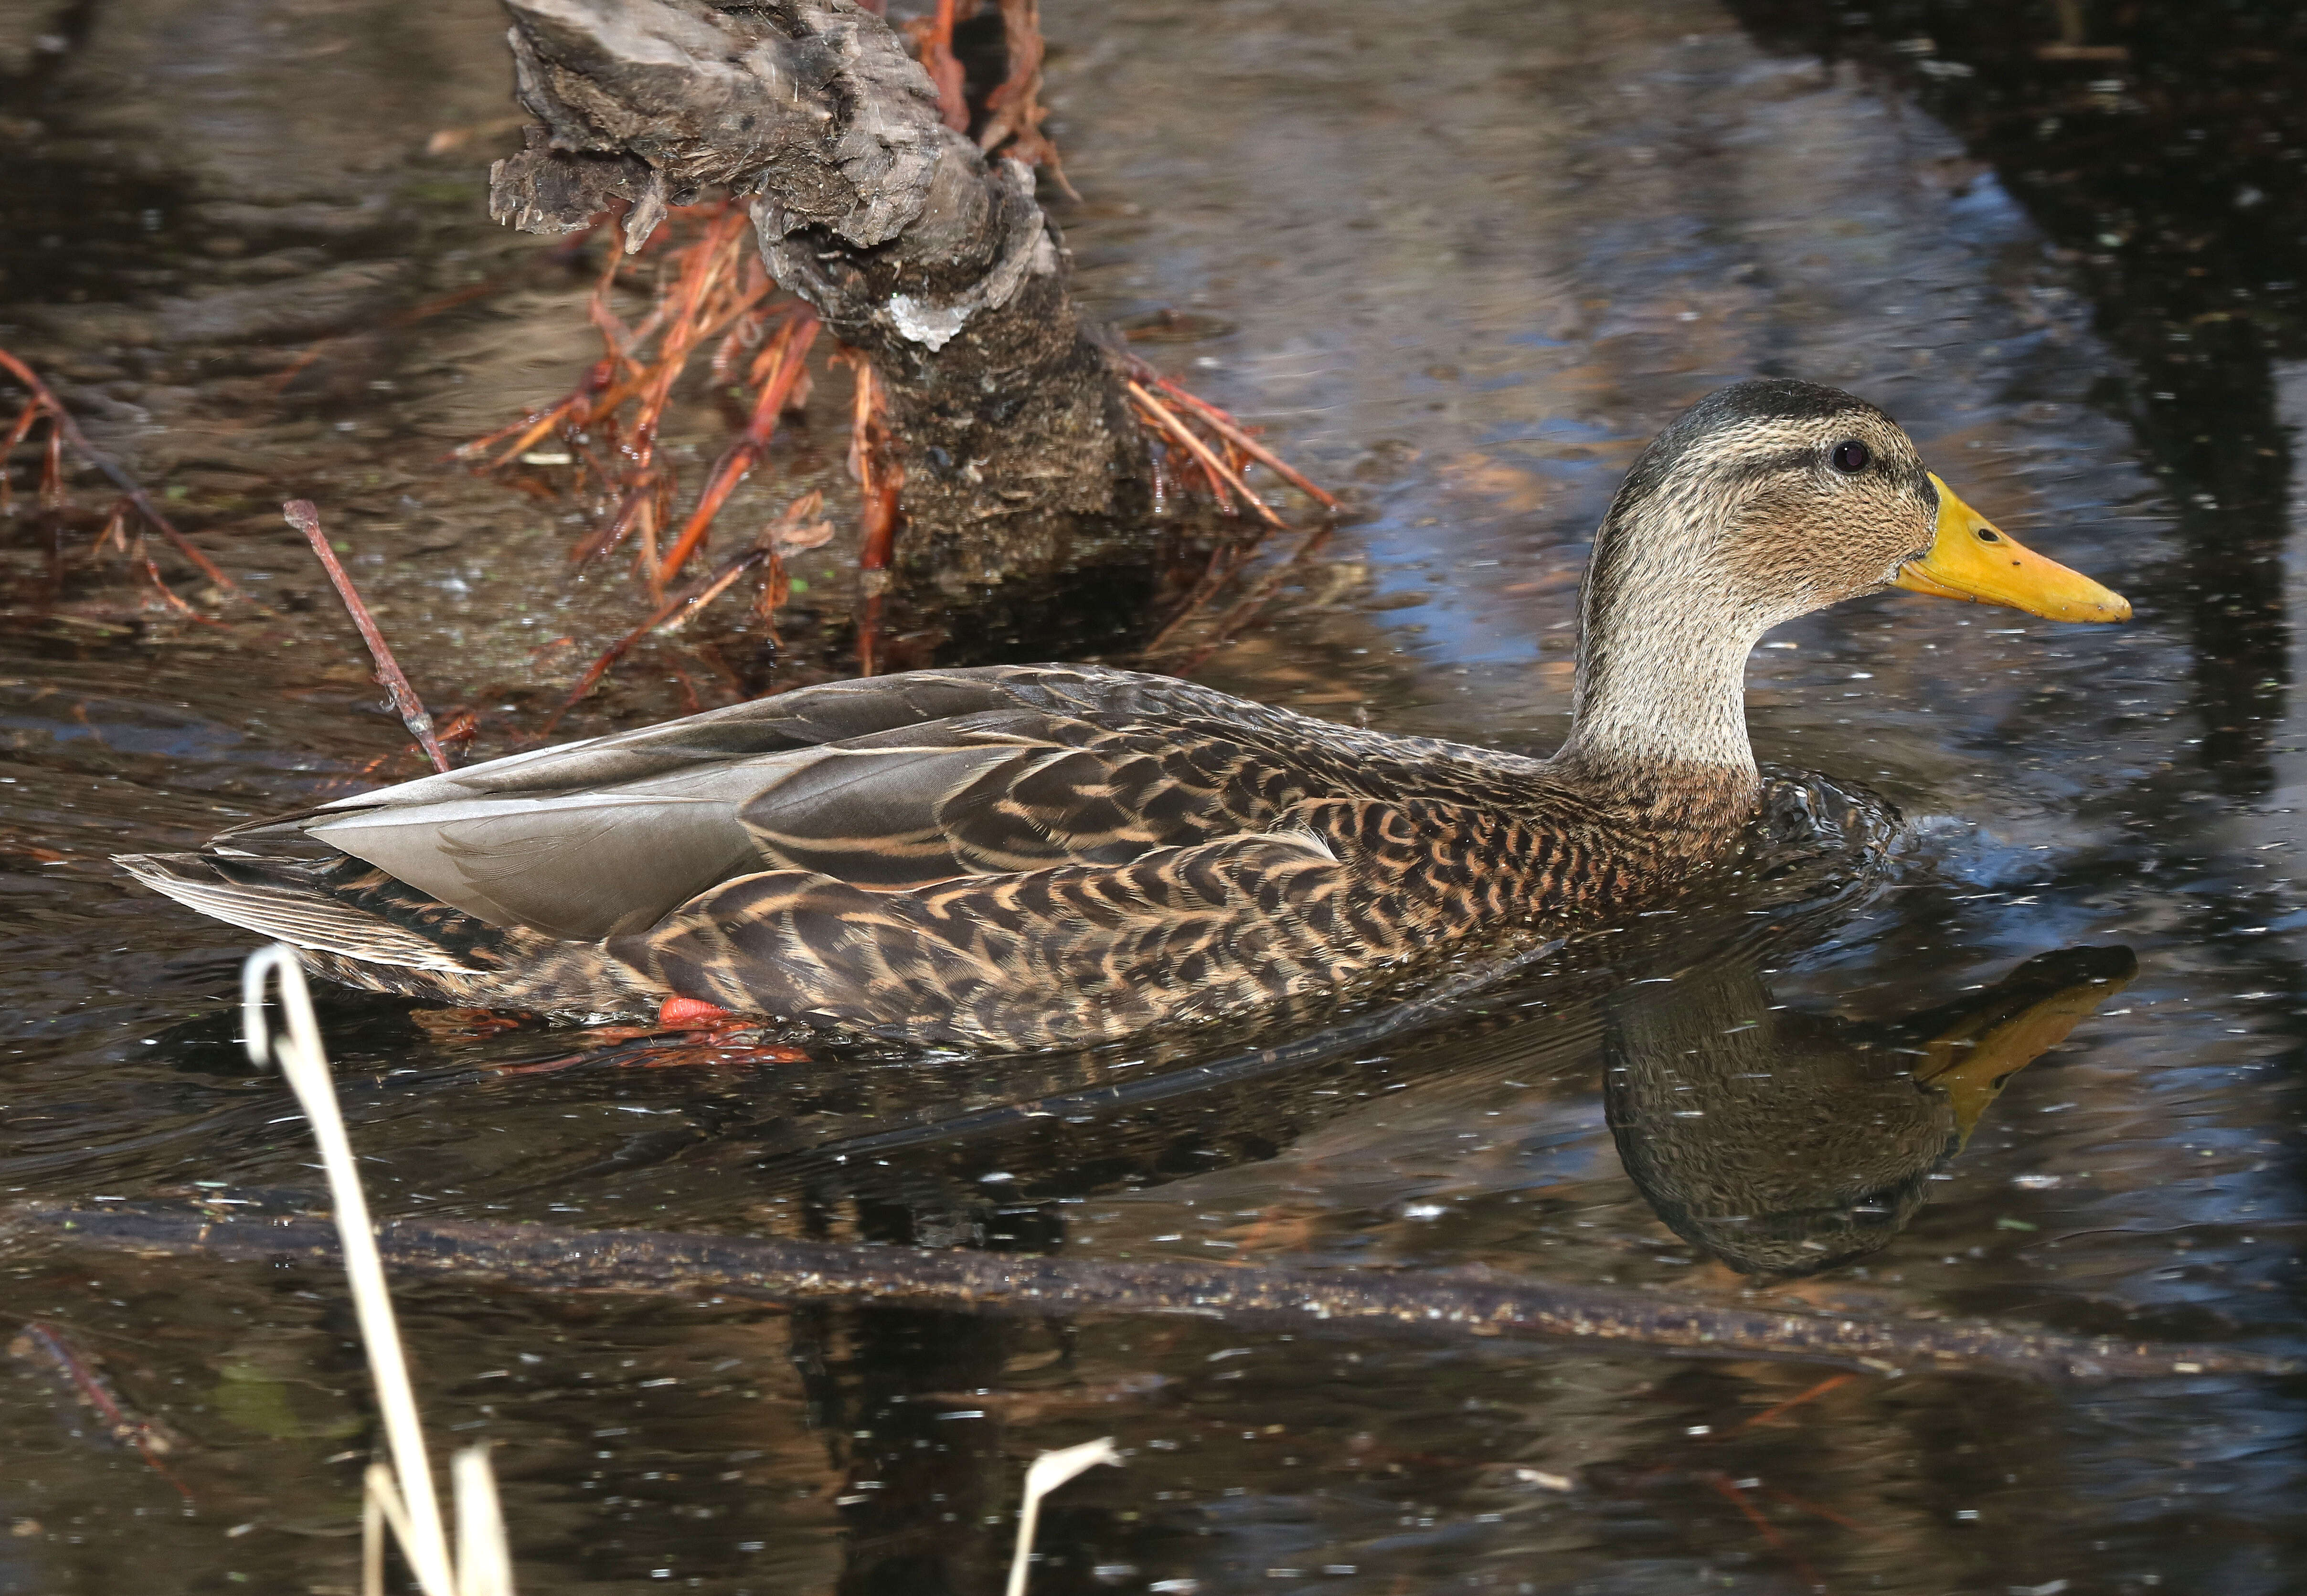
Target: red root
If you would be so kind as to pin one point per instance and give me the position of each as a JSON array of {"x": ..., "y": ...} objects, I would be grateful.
[{"x": 782, "y": 364}]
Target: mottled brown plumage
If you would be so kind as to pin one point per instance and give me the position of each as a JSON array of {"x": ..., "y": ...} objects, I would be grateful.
[{"x": 1044, "y": 856}]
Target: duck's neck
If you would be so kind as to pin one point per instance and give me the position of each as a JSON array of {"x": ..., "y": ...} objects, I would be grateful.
[{"x": 1661, "y": 660}]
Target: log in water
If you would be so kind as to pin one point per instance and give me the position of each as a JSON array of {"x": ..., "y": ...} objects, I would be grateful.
[{"x": 1445, "y": 1307}]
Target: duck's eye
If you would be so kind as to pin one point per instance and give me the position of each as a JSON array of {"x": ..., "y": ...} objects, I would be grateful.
[{"x": 1850, "y": 455}]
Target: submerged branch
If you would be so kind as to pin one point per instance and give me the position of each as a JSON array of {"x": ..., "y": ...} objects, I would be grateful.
[
  {"x": 1445, "y": 1307},
  {"x": 301, "y": 514},
  {"x": 65, "y": 431}
]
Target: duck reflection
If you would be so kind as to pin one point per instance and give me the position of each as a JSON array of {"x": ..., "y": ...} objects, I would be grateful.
[{"x": 1785, "y": 1142}]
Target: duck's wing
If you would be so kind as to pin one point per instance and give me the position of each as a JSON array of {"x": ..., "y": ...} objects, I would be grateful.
[
  {"x": 845, "y": 711},
  {"x": 887, "y": 784},
  {"x": 1071, "y": 954},
  {"x": 807, "y": 717}
]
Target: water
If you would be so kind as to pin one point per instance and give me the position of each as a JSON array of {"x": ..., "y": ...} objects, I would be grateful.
[{"x": 1464, "y": 261}]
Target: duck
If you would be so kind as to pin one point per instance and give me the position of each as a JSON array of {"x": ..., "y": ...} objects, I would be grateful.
[
  {"x": 1787, "y": 1143},
  {"x": 1022, "y": 858}
]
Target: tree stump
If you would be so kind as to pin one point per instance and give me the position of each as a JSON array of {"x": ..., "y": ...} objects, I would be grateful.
[{"x": 1008, "y": 411}]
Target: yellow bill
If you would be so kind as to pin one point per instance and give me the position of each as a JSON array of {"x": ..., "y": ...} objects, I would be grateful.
[
  {"x": 1971, "y": 1060},
  {"x": 1973, "y": 558}
]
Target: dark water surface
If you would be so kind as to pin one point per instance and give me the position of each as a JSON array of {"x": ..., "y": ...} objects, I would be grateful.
[{"x": 1465, "y": 259}]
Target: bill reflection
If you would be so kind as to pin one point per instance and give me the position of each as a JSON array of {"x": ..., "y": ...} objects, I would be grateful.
[{"x": 1785, "y": 1142}]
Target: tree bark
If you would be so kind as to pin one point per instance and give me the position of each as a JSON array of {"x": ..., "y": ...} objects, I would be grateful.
[{"x": 1019, "y": 450}]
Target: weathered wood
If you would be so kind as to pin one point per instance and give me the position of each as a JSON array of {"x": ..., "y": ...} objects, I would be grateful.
[
  {"x": 1018, "y": 448},
  {"x": 1428, "y": 1306}
]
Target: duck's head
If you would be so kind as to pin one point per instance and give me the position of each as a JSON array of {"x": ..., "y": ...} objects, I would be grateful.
[{"x": 1764, "y": 501}]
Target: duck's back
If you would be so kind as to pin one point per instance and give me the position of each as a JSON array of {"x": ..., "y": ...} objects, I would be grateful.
[{"x": 1012, "y": 856}]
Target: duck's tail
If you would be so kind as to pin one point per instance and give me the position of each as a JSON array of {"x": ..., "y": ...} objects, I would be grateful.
[
  {"x": 297, "y": 901},
  {"x": 364, "y": 929}
]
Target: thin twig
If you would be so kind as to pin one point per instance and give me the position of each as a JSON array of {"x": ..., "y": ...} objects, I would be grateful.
[
  {"x": 116, "y": 531},
  {"x": 182, "y": 607},
  {"x": 1233, "y": 432},
  {"x": 25, "y": 417},
  {"x": 1204, "y": 590},
  {"x": 1016, "y": 105},
  {"x": 538, "y": 428},
  {"x": 1246, "y": 609},
  {"x": 1831, "y": 1383},
  {"x": 934, "y": 34},
  {"x": 1243, "y": 611},
  {"x": 303, "y": 514},
  {"x": 790, "y": 360},
  {"x": 879, "y": 480},
  {"x": 639, "y": 499},
  {"x": 52, "y": 470},
  {"x": 1803, "y": 1504},
  {"x": 879, "y": 477},
  {"x": 701, "y": 273},
  {"x": 674, "y": 613},
  {"x": 1168, "y": 421},
  {"x": 1737, "y": 1499},
  {"x": 43, "y": 1344},
  {"x": 69, "y": 430}
]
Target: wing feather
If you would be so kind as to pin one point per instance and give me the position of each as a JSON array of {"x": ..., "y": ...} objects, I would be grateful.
[
  {"x": 1071, "y": 953},
  {"x": 285, "y": 913}
]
